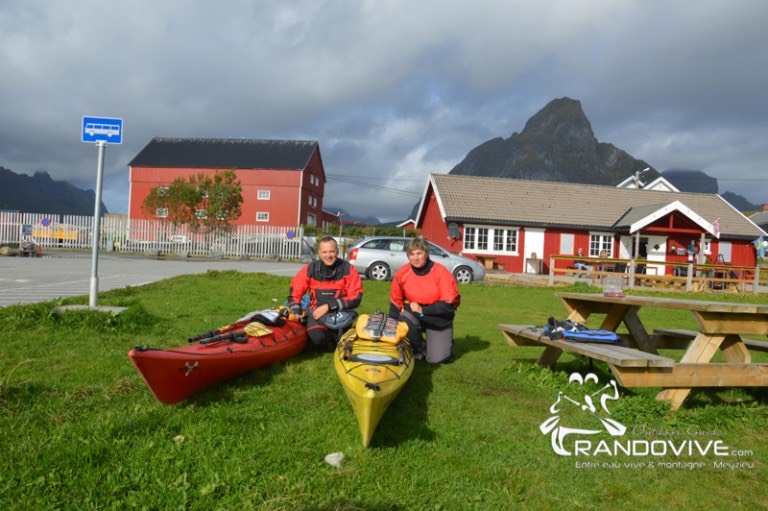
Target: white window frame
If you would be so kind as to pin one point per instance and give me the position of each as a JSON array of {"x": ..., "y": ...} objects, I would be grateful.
[
  {"x": 311, "y": 219},
  {"x": 264, "y": 195},
  {"x": 262, "y": 216},
  {"x": 600, "y": 241},
  {"x": 161, "y": 212},
  {"x": 201, "y": 214},
  {"x": 486, "y": 244}
]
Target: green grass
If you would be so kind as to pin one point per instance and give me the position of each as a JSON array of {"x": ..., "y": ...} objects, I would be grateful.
[{"x": 80, "y": 430}]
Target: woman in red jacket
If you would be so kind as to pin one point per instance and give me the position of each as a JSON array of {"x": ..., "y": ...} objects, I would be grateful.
[{"x": 424, "y": 294}]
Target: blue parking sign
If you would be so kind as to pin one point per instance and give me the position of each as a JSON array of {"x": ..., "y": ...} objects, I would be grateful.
[{"x": 107, "y": 129}]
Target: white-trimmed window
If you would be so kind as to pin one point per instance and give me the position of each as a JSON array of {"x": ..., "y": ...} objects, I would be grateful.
[
  {"x": 311, "y": 219},
  {"x": 505, "y": 240},
  {"x": 490, "y": 239},
  {"x": 262, "y": 216},
  {"x": 201, "y": 214},
  {"x": 263, "y": 195},
  {"x": 161, "y": 212},
  {"x": 162, "y": 191},
  {"x": 600, "y": 241}
]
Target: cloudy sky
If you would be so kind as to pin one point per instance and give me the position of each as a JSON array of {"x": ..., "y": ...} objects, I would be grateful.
[{"x": 391, "y": 89}]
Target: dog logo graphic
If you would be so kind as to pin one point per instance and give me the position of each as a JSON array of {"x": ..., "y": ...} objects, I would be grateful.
[{"x": 585, "y": 405}]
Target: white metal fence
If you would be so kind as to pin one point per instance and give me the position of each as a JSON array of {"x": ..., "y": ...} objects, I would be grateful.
[{"x": 119, "y": 233}]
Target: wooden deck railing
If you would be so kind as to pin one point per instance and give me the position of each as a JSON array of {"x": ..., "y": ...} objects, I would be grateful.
[{"x": 676, "y": 276}]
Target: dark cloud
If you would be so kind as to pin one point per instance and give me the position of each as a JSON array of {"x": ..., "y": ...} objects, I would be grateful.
[{"x": 391, "y": 90}]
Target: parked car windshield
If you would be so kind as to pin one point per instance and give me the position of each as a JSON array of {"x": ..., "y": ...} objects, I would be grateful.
[
  {"x": 377, "y": 245},
  {"x": 435, "y": 250}
]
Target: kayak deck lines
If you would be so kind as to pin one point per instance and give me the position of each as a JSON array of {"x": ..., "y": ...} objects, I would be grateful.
[
  {"x": 174, "y": 374},
  {"x": 372, "y": 374}
]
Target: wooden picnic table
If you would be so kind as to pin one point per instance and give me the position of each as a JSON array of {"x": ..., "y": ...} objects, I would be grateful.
[{"x": 721, "y": 326}]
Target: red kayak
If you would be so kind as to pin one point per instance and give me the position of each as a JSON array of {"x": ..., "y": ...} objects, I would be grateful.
[{"x": 174, "y": 374}]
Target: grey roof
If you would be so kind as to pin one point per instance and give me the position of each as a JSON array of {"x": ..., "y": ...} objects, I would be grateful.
[
  {"x": 637, "y": 213},
  {"x": 552, "y": 204},
  {"x": 760, "y": 218},
  {"x": 225, "y": 153}
]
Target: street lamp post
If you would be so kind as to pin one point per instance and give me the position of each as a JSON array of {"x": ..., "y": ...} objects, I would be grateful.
[{"x": 639, "y": 184}]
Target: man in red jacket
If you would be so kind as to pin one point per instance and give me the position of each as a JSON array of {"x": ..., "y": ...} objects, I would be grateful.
[
  {"x": 335, "y": 290},
  {"x": 424, "y": 294}
]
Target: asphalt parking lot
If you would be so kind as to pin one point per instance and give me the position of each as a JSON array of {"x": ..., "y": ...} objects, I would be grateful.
[{"x": 26, "y": 280}]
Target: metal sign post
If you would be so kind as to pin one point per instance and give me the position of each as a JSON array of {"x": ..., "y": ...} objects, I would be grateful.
[
  {"x": 99, "y": 130},
  {"x": 93, "y": 297}
]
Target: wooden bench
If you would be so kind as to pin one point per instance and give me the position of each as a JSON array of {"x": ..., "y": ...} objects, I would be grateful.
[
  {"x": 677, "y": 338},
  {"x": 615, "y": 355},
  {"x": 487, "y": 262}
]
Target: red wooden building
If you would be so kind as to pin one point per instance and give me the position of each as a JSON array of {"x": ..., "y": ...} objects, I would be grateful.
[
  {"x": 283, "y": 181},
  {"x": 513, "y": 222}
]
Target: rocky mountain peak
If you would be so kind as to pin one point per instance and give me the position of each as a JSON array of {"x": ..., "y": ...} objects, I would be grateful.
[
  {"x": 39, "y": 193},
  {"x": 562, "y": 120},
  {"x": 557, "y": 144}
]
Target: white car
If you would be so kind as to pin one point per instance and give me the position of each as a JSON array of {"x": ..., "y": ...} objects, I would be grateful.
[{"x": 379, "y": 257}]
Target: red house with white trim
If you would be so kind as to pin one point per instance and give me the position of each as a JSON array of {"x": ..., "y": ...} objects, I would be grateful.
[
  {"x": 283, "y": 181},
  {"x": 516, "y": 223}
]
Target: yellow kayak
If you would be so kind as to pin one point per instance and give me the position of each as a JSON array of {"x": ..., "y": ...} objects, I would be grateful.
[{"x": 372, "y": 373}]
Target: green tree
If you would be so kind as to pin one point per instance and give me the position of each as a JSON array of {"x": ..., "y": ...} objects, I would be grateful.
[
  {"x": 223, "y": 204},
  {"x": 177, "y": 199},
  {"x": 199, "y": 202}
]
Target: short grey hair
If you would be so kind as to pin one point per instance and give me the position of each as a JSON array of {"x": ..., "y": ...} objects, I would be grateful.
[
  {"x": 329, "y": 239},
  {"x": 416, "y": 244}
]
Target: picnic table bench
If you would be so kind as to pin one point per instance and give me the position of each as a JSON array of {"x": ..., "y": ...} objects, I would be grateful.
[
  {"x": 678, "y": 338},
  {"x": 638, "y": 364},
  {"x": 613, "y": 354}
]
